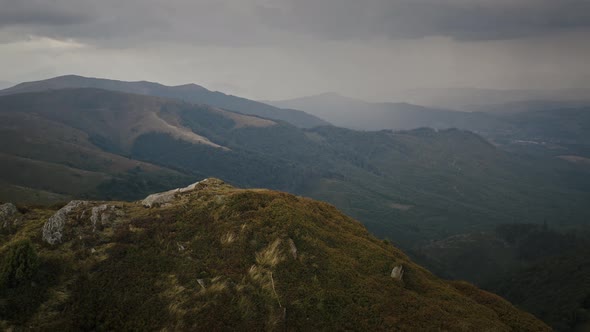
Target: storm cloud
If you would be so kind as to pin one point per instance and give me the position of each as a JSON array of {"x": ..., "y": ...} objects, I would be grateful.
[
  {"x": 254, "y": 43},
  {"x": 258, "y": 21}
]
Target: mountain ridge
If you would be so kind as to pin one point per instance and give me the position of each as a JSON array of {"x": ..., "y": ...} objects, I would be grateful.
[
  {"x": 187, "y": 92},
  {"x": 357, "y": 114}
]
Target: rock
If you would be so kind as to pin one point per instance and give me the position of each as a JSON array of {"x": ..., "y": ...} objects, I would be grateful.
[
  {"x": 103, "y": 214},
  {"x": 53, "y": 228},
  {"x": 201, "y": 282},
  {"x": 159, "y": 198},
  {"x": 8, "y": 215},
  {"x": 292, "y": 248},
  {"x": 397, "y": 272},
  {"x": 167, "y": 196},
  {"x": 180, "y": 246}
]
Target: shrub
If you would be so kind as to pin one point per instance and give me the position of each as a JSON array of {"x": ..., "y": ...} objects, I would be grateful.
[{"x": 20, "y": 264}]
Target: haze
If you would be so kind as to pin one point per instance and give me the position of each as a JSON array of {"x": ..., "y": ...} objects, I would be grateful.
[{"x": 278, "y": 49}]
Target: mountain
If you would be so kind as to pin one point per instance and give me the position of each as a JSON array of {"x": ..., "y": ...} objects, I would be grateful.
[
  {"x": 189, "y": 92},
  {"x": 472, "y": 99},
  {"x": 550, "y": 128},
  {"x": 410, "y": 186},
  {"x": 531, "y": 106},
  {"x": 213, "y": 257},
  {"x": 77, "y": 143},
  {"x": 356, "y": 114},
  {"x": 5, "y": 84}
]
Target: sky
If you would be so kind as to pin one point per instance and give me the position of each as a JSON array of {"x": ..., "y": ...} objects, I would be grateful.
[{"x": 278, "y": 49}]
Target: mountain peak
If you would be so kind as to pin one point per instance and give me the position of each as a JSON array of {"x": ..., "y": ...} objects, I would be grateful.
[{"x": 190, "y": 86}]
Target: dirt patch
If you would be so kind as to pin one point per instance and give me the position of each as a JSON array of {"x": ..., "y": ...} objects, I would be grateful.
[{"x": 242, "y": 120}]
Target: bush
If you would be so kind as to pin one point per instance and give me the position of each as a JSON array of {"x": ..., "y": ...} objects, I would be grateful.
[{"x": 20, "y": 264}]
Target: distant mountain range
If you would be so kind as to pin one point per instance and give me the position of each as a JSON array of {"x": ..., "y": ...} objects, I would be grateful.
[
  {"x": 546, "y": 127},
  {"x": 360, "y": 115},
  {"x": 189, "y": 92},
  {"x": 472, "y": 99}
]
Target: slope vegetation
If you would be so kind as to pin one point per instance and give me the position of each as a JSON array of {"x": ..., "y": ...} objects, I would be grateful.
[{"x": 214, "y": 257}]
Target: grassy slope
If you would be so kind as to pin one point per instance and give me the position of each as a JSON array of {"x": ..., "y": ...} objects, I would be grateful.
[
  {"x": 142, "y": 272},
  {"x": 541, "y": 270}
]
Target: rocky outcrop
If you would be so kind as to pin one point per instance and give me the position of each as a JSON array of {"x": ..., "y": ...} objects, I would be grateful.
[
  {"x": 8, "y": 215},
  {"x": 168, "y": 196},
  {"x": 100, "y": 215},
  {"x": 104, "y": 214},
  {"x": 53, "y": 228},
  {"x": 397, "y": 272}
]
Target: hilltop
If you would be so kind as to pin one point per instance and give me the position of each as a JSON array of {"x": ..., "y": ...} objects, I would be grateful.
[{"x": 214, "y": 257}]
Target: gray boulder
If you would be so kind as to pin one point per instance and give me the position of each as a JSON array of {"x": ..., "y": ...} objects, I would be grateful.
[
  {"x": 8, "y": 215},
  {"x": 167, "y": 196},
  {"x": 397, "y": 272},
  {"x": 104, "y": 214},
  {"x": 53, "y": 228}
]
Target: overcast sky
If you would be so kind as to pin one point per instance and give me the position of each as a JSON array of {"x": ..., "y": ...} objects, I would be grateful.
[{"x": 274, "y": 49}]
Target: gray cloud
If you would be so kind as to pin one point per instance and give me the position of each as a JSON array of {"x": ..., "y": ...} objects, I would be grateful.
[
  {"x": 272, "y": 49},
  {"x": 459, "y": 19},
  {"x": 42, "y": 13},
  {"x": 254, "y": 22}
]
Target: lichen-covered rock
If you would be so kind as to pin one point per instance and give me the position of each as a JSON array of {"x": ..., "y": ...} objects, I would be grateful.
[
  {"x": 53, "y": 228},
  {"x": 104, "y": 214},
  {"x": 397, "y": 272},
  {"x": 168, "y": 196},
  {"x": 159, "y": 198},
  {"x": 8, "y": 214}
]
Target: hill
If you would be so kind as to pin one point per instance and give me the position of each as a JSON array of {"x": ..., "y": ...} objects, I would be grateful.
[
  {"x": 548, "y": 128},
  {"x": 189, "y": 92},
  {"x": 552, "y": 132},
  {"x": 473, "y": 99},
  {"x": 213, "y": 257},
  {"x": 360, "y": 115},
  {"x": 410, "y": 186},
  {"x": 78, "y": 142}
]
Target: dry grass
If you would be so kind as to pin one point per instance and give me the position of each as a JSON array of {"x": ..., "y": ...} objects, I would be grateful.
[
  {"x": 228, "y": 238},
  {"x": 242, "y": 120},
  {"x": 271, "y": 255}
]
